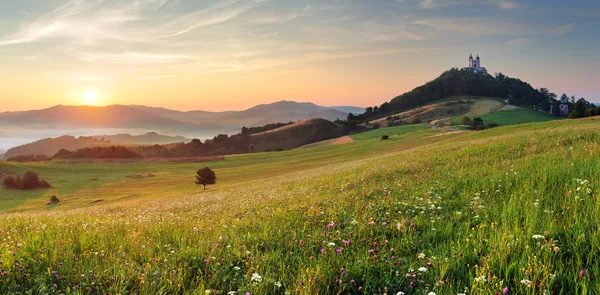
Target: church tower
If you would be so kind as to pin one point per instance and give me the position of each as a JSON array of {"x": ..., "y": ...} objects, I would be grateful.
[{"x": 475, "y": 65}]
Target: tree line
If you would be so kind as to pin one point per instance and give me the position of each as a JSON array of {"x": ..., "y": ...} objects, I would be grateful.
[{"x": 457, "y": 82}]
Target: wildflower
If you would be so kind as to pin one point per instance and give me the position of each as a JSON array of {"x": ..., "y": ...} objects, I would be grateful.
[
  {"x": 538, "y": 237},
  {"x": 236, "y": 268},
  {"x": 421, "y": 255},
  {"x": 323, "y": 251},
  {"x": 256, "y": 278},
  {"x": 581, "y": 273},
  {"x": 338, "y": 250},
  {"x": 526, "y": 283},
  {"x": 505, "y": 290},
  {"x": 330, "y": 225},
  {"x": 360, "y": 288},
  {"x": 277, "y": 284},
  {"x": 422, "y": 269},
  {"x": 301, "y": 242},
  {"x": 231, "y": 293},
  {"x": 400, "y": 293},
  {"x": 331, "y": 245},
  {"x": 431, "y": 293},
  {"x": 207, "y": 291}
]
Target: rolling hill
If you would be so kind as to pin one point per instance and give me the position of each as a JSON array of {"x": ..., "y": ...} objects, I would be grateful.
[
  {"x": 50, "y": 146},
  {"x": 189, "y": 123}
]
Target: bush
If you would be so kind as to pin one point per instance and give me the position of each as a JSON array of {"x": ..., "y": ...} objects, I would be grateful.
[
  {"x": 53, "y": 200},
  {"x": 385, "y": 137},
  {"x": 492, "y": 125},
  {"x": 30, "y": 180},
  {"x": 376, "y": 126},
  {"x": 8, "y": 182}
]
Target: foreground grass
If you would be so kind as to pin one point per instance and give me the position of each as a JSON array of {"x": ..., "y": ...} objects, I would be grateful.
[{"x": 511, "y": 207}]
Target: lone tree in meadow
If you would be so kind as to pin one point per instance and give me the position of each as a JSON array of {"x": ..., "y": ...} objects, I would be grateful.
[{"x": 205, "y": 176}]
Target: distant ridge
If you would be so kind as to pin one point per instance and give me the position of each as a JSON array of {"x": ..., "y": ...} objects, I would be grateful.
[
  {"x": 50, "y": 146},
  {"x": 166, "y": 121}
]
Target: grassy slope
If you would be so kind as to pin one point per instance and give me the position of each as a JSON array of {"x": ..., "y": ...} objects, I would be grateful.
[
  {"x": 512, "y": 117},
  {"x": 462, "y": 213},
  {"x": 79, "y": 184}
]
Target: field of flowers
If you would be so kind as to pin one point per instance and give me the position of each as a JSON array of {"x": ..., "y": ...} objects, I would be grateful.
[{"x": 511, "y": 210}]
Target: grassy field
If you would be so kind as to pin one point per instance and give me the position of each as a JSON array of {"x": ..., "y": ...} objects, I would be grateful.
[
  {"x": 511, "y": 208},
  {"x": 511, "y": 117}
]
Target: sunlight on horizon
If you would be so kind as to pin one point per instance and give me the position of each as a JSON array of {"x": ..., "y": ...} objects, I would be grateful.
[{"x": 91, "y": 97}]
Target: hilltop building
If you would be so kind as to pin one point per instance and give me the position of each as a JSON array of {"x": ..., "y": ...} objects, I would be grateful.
[{"x": 475, "y": 65}]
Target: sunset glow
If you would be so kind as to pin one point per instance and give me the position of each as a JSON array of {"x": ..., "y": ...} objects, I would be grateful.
[
  {"x": 228, "y": 55},
  {"x": 91, "y": 97}
]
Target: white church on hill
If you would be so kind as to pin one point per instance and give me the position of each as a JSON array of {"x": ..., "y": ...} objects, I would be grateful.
[{"x": 475, "y": 65}]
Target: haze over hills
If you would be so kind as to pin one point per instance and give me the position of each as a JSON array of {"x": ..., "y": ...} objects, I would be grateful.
[{"x": 27, "y": 126}]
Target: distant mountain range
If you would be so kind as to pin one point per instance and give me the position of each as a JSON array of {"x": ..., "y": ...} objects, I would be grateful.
[
  {"x": 50, "y": 146},
  {"x": 188, "y": 123}
]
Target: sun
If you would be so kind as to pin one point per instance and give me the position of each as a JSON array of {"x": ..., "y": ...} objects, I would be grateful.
[{"x": 91, "y": 97}]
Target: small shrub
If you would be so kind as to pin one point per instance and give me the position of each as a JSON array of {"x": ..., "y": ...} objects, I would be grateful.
[
  {"x": 492, "y": 125},
  {"x": 376, "y": 125},
  {"x": 53, "y": 200},
  {"x": 385, "y": 137}
]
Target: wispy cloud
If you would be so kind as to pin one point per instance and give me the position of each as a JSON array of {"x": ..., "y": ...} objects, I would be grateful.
[
  {"x": 518, "y": 43},
  {"x": 562, "y": 30},
  {"x": 506, "y": 4},
  {"x": 104, "y": 31},
  {"x": 133, "y": 58},
  {"x": 158, "y": 77},
  {"x": 82, "y": 77},
  {"x": 431, "y": 4},
  {"x": 475, "y": 26}
]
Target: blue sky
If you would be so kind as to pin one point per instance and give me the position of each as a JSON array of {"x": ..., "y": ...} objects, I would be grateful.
[{"x": 233, "y": 54}]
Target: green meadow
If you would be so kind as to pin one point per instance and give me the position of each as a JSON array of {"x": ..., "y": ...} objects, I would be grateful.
[
  {"x": 505, "y": 118},
  {"x": 510, "y": 209}
]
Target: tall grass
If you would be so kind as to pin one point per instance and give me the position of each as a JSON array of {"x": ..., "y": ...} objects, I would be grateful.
[{"x": 484, "y": 213}]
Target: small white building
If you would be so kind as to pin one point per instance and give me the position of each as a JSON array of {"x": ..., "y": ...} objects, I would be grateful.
[{"x": 475, "y": 65}]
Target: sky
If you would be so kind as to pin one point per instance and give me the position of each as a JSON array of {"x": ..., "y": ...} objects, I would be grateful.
[{"x": 234, "y": 54}]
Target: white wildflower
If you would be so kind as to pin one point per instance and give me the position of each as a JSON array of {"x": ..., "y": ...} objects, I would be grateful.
[
  {"x": 538, "y": 237},
  {"x": 256, "y": 278},
  {"x": 422, "y": 269}
]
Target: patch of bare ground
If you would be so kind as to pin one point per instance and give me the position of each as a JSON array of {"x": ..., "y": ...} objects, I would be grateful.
[
  {"x": 286, "y": 127},
  {"x": 334, "y": 141}
]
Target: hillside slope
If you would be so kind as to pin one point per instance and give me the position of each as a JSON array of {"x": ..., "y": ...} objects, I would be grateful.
[
  {"x": 297, "y": 134},
  {"x": 511, "y": 208}
]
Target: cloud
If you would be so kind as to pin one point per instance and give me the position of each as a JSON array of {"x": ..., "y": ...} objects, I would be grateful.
[
  {"x": 431, "y": 4},
  {"x": 562, "y": 30},
  {"x": 82, "y": 77},
  {"x": 518, "y": 42},
  {"x": 102, "y": 30},
  {"x": 506, "y": 4},
  {"x": 474, "y": 26},
  {"x": 133, "y": 58},
  {"x": 158, "y": 77}
]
